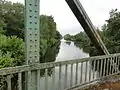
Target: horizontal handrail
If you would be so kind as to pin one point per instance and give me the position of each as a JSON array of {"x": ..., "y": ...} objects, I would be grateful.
[{"x": 18, "y": 69}]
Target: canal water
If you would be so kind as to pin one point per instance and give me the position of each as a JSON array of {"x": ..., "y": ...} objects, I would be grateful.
[{"x": 67, "y": 51}]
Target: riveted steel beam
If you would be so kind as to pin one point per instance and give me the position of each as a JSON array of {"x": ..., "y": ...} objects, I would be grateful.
[
  {"x": 32, "y": 31},
  {"x": 32, "y": 41}
]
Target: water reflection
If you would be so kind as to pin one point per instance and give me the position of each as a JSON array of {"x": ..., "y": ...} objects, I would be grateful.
[
  {"x": 82, "y": 46},
  {"x": 70, "y": 52},
  {"x": 68, "y": 42},
  {"x": 51, "y": 53}
]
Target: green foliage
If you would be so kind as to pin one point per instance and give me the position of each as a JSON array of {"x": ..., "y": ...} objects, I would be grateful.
[
  {"x": 112, "y": 32},
  {"x": 49, "y": 36},
  {"x": 11, "y": 16},
  {"x": 14, "y": 47},
  {"x": 58, "y": 36},
  {"x": 113, "y": 25},
  {"x": 1, "y": 26},
  {"x": 68, "y": 37},
  {"x": 83, "y": 38},
  {"x": 6, "y": 62},
  {"x": 47, "y": 27},
  {"x": 80, "y": 38}
]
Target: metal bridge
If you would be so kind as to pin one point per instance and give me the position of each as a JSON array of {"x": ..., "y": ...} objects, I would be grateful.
[{"x": 65, "y": 75}]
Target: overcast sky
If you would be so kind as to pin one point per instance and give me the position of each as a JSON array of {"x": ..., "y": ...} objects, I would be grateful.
[{"x": 98, "y": 11}]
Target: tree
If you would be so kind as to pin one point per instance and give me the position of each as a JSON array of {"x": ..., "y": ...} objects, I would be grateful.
[
  {"x": 112, "y": 32},
  {"x": 67, "y": 37},
  {"x": 49, "y": 36},
  {"x": 113, "y": 25},
  {"x": 12, "y": 16}
]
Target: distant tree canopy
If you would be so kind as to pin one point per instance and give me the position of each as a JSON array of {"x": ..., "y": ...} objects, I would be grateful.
[
  {"x": 68, "y": 37},
  {"x": 80, "y": 37},
  {"x": 12, "y": 34},
  {"x": 110, "y": 34}
]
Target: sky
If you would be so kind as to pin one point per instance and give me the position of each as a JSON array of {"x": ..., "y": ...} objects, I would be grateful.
[{"x": 97, "y": 10}]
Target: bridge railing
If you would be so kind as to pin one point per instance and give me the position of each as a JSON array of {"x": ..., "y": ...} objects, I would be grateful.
[{"x": 60, "y": 75}]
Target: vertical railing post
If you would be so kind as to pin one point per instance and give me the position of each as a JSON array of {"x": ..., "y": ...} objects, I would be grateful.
[
  {"x": 38, "y": 79},
  {"x": 81, "y": 77},
  {"x": 32, "y": 38},
  {"x": 9, "y": 82},
  {"x": 53, "y": 79},
  {"x": 104, "y": 72},
  {"x": 60, "y": 76},
  {"x": 66, "y": 76},
  {"x": 46, "y": 79},
  {"x": 71, "y": 76},
  {"x": 86, "y": 66},
  {"x": 94, "y": 65},
  {"x": 107, "y": 70},
  {"x": 101, "y": 67},
  {"x": 98, "y": 68},
  {"x": 76, "y": 76},
  {"x": 19, "y": 81},
  {"x": 118, "y": 63},
  {"x": 90, "y": 63}
]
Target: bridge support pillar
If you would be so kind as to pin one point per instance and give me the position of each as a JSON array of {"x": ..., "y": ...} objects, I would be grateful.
[{"x": 32, "y": 41}]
